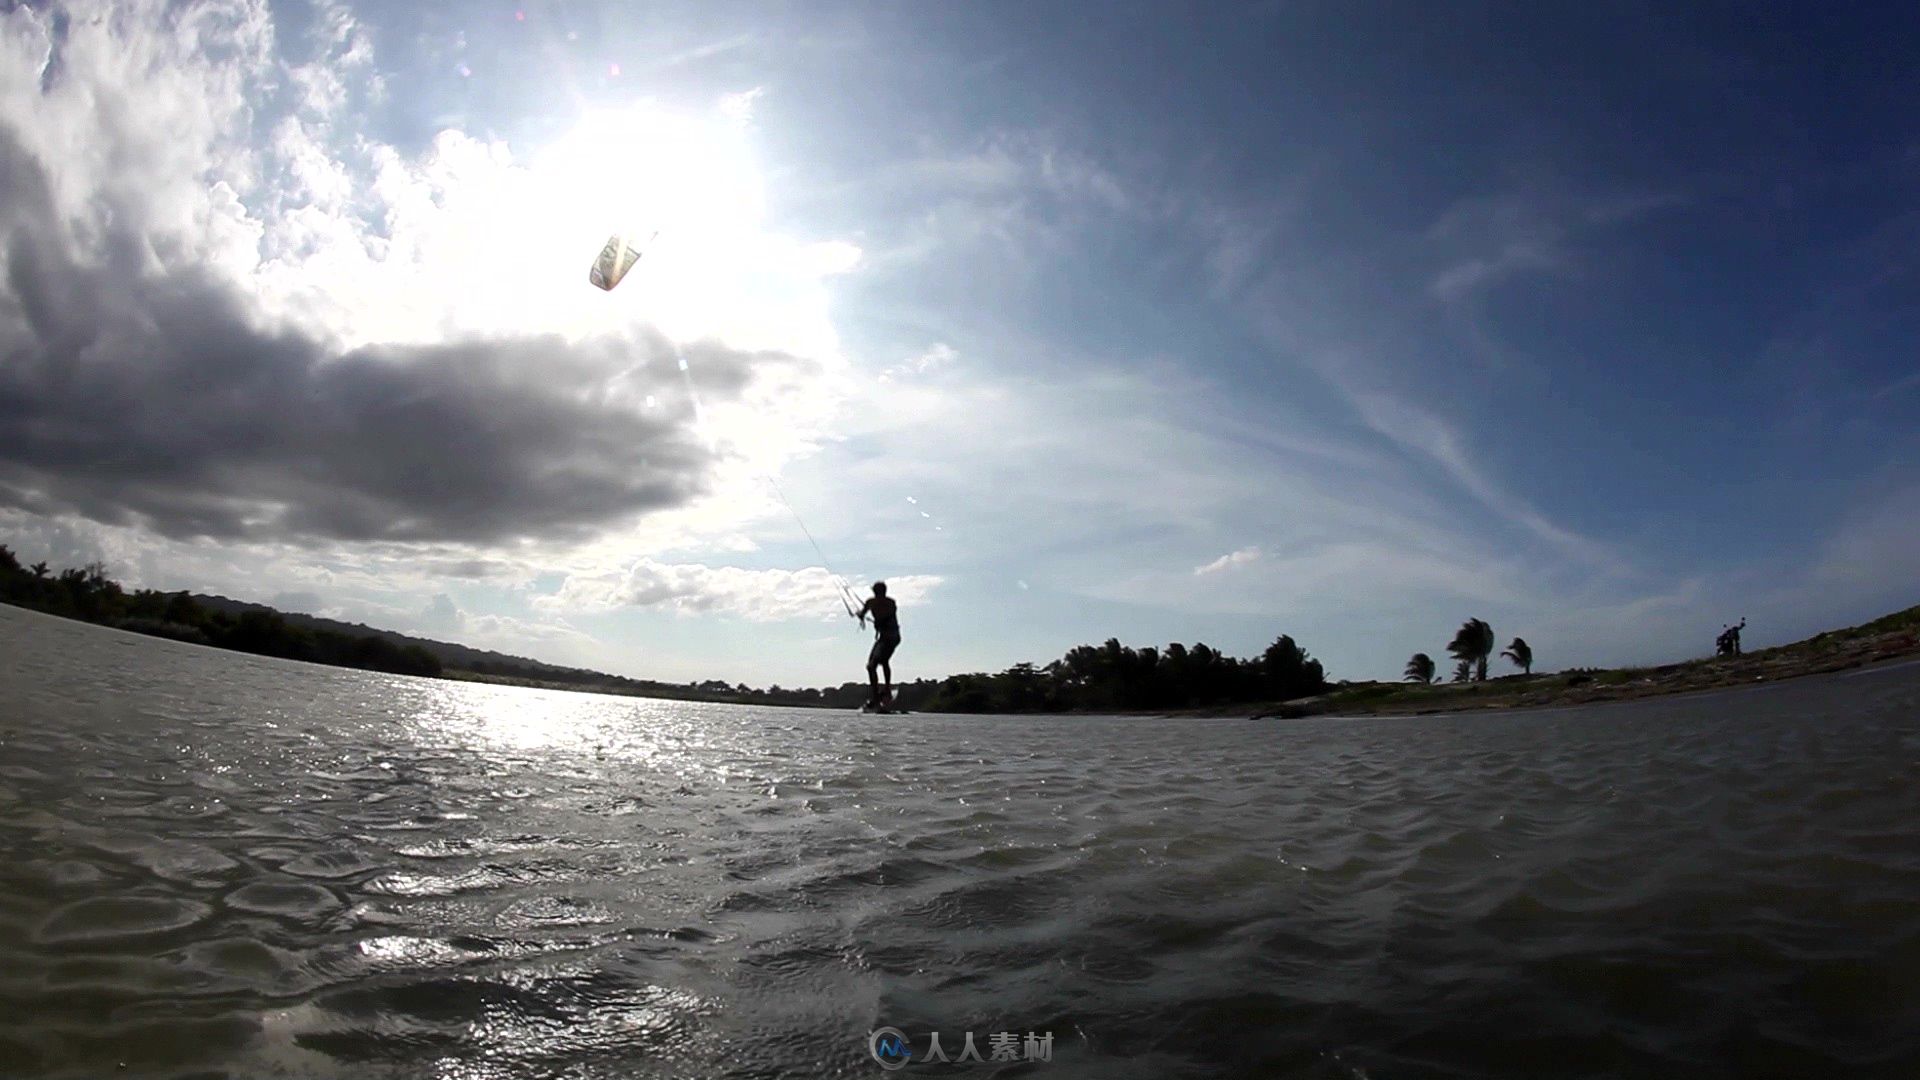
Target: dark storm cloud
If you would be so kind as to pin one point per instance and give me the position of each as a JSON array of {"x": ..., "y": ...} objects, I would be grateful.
[{"x": 130, "y": 396}]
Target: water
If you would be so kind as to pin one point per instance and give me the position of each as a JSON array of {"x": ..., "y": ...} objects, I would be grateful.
[{"x": 225, "y": 866}]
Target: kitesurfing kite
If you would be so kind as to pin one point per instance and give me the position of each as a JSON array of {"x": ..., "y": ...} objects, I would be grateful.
[{"x": 615, "y": 260}]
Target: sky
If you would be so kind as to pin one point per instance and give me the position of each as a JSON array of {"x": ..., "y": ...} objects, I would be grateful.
[{"x": 1197, "y": 323}]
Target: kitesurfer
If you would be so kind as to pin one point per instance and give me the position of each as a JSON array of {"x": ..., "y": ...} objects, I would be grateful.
[{"x": 886, "y": 625}]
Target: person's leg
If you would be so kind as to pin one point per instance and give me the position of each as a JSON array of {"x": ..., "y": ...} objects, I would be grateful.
[{"x": 884, "y": 650}]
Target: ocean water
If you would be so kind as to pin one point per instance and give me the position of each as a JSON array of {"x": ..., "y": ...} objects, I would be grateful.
[{"x": 224, "y": 866}]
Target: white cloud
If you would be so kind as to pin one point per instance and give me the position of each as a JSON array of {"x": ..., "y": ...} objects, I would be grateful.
[
  {"x": 1087, "y": 482},
  {"x": 1426, "y": 434},
  {"x": 1475, "y": 272},
  {"x": 700, "y": 52},
  {"x": 831, "y": 258},
  {"x": 400, "y": 578},
  {"x": 739, "y": 107},
  {"x": 446, "y": 620},
  {"x": 1349, "y": 575},
  {"x": 765, "y": 595},
  {"x": 937, "y": 356},
  {"x": 1002, "y": 201},
  {"x": 1231, "y": 559},
  {"x": 1487, "y": 239},
  {"x": 1897, "y": 386}
]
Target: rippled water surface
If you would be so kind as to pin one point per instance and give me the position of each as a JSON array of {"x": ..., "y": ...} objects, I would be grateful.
[{"x": 224, "y": 866}]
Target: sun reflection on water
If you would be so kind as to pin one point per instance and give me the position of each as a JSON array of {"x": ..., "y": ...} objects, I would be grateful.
[
  {"x": 587, "y": 734},
  {"x": 508, "y": 717}
]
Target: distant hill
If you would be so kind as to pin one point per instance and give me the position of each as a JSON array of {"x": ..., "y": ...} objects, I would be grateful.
[
  {"x": 452, "y": 655},
  {"x": 464, "y": 660}
]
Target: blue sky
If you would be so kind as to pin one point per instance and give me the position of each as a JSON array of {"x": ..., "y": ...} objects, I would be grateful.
[{"x": 1198, "y": 324}]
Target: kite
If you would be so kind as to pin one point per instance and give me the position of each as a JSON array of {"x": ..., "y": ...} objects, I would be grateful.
[{"x": 615, "y": 260}]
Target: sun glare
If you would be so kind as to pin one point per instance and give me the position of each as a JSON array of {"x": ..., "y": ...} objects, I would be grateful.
[
  {"x": 641, "y": 169},
  {"x": 686, "y": 189},
  {"x": 478, "y": 237}
]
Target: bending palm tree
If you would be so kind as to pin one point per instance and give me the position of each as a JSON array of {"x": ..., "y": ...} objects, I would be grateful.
[
  {"x": 1521, "y": 654},
  {"x": 1472, "y": 645},
  {"x": 1420, "y": 668}
]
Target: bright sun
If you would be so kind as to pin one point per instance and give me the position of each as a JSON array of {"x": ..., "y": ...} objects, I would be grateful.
[
  {"x": 641, "y": 169},
  {"x": 688, "y": 189}
]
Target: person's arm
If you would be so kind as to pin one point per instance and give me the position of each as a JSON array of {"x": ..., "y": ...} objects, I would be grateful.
[{"x": 862, "y": 613}]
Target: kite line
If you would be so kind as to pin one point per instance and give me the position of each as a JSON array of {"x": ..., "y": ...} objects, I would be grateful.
[{"x": 615, "y": 259}]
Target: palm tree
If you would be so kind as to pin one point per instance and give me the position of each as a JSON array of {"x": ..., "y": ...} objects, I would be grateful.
[
  {"x": 1521, "y": 654},
  {"x": 1472, "y": 645},
  {"x": 1463, "y": 671},
  {"x": 1420, "y": 668}
]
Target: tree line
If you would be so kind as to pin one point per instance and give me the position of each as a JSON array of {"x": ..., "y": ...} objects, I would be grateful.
[
  {"x": 1116, "y": 677},
  {"x": 1089, "y": 678},
  {"x": 88, "y": 593}
]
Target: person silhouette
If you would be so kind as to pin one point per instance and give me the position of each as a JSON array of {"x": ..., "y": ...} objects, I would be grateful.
[
  {"x": 886, "y": 625},
  {"x": 1728, "y": 643}
]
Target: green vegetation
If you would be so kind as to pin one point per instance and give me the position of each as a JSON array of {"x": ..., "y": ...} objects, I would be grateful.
[
  {"x": 1900, "y": 622},
  {"x": 1115, "y": 678},
  {"x": 87, "y": 593},
  {"x": 1420, "y": 668},
  {"x": 1521, "y": 654},
  {"x": 1471, "y": 645}
]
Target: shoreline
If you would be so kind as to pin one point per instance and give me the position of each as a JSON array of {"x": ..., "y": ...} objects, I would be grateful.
[
  {"x": 1894, "y": 637},
  {"x": 88, "y": 596}
]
